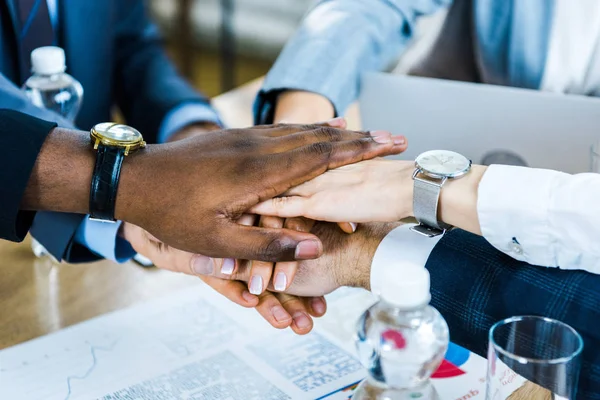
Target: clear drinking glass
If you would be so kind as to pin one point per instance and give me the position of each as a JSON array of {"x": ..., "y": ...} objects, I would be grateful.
[
  {"x": 595, "y": 157},
  {"x": 533, "y": 358}
]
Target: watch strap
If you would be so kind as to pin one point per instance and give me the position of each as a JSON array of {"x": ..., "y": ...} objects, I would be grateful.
[
  {"x": 425, "y": 205},
  {"x": 105, "y": 182}
]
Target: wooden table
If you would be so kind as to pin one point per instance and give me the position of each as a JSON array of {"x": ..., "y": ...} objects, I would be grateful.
[{"x": 37, "y": 297}]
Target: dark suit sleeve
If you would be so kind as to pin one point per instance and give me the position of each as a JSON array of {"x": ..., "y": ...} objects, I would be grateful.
[
  {"x": 54, "y": 230},
  {"x": 474, "y": 286},
  {"x": 21, "y": 140},
  {"x": 147, "y": 86}
]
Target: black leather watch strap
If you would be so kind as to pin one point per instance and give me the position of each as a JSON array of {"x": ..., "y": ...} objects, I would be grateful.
[{"x": 105, "y": 182}]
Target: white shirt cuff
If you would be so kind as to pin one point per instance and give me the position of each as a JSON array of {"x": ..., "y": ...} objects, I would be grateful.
[
  {"x": 404, "y": 244},
  {"x": 512, "y": 216},
  {"x": 540, "y": 216}
]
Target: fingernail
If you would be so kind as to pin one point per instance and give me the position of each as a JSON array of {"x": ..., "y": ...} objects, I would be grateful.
[
  {"x": 246, "y": 295},
  {"x": 399, "y": 139},
  {"x": 280, "y": 281},
  {"x": 301, "y": 320},
  {"x": 228, "y": 266},
  {"x": 280, "y": 314},
  {"x": 381, "y": 136},
  {"x": 256, "y": 284},
  {"x": 353, "y": 225},
  {"x": 307, "y": 250},
  {"x": 336, "y": 122},
  {"x": 203, "y": 265},
  {"x": 318, "y": 306}
]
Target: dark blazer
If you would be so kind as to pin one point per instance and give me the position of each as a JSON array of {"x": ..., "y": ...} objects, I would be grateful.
[
  {"x": 474, "y": 286},
  {"x": 114, "y": 50},
  {"x": 21, "y": 139}
]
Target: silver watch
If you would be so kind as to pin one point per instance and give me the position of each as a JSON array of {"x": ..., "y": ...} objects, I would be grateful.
[{"x": 433, "y": 169}]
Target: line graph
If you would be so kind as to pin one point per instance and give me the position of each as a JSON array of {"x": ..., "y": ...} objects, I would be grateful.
[{"x": 89, "y": 371}]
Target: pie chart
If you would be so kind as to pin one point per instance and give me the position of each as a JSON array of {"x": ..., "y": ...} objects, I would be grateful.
[{"x": 450, "y": 366}]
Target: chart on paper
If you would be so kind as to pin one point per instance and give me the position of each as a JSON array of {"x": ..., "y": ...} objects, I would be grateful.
[{"x": 195, "y": 345}]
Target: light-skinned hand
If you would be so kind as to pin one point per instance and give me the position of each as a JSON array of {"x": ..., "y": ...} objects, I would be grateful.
[
  {"x": 376, "y": 191},
  {"x": 278, "y": 309},
  {"x": 372, "y": 191}
]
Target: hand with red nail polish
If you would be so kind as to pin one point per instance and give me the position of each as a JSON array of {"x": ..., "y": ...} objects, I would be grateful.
[{"x": 371, "y": 191}]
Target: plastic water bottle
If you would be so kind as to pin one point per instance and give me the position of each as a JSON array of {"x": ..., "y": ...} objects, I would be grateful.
[
  {"x": 52, "y": 88},
  {"x": 401, "y": 340}
]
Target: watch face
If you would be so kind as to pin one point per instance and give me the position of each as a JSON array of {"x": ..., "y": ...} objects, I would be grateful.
[
  {"x": 443, "y": 163},
  {"x": 118, "y": 132}
]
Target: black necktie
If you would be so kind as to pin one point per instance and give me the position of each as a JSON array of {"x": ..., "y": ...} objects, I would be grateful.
[{"x": 35, "y": 31}]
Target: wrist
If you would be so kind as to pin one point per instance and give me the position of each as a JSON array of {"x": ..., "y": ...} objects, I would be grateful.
[
  {"x": 61, "y": 177},
  {"x": 135, "y": 191},
  {"x": 458, "y": 201},
  {"x": 403, "y": 188},
  {"x": 300, "y": 107},
  {"x": 356, "y": 271}
]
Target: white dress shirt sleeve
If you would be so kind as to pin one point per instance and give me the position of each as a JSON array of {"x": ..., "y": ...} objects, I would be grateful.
[
  {"x": 412, "y": 247},
  {"x": 542, "y": 217}
]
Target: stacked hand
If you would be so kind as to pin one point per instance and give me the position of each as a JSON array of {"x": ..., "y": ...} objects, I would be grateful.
[
  {"x": 283, "y": 273},
  {"x": 280, "y": 309},
  {"x": 345, "y": 262},
  {"x": 228, "y": 172}
]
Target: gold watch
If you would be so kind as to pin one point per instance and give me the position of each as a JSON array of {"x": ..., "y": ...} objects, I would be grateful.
[{"x": 112, "y": 142}]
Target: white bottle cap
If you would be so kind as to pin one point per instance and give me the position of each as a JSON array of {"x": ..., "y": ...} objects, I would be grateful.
[
  {"x": 48, "y": 60},
  {"x": 406, "y": 285}
]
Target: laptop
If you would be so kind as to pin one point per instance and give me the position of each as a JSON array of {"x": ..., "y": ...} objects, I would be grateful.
[{"x": 543, "y": 130}]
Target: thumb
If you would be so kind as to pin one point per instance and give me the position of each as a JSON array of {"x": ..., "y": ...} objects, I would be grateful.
[{"x": 164, "y": 256}]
